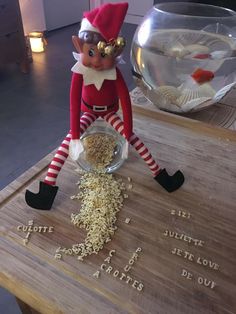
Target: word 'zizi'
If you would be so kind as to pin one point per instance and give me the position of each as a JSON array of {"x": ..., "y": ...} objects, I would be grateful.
[
  {"x": 200, "y": 280},
  {"x": 119, "y": 274},
  {"x": 31, "y": 228},
  {"x": 199, "y": 260},
  {"x": 180, "y": 213},
  {"x": 183, "y": 237}
]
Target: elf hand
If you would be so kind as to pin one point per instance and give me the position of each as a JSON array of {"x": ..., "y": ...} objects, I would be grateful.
[
  {"x": 75, "y": 149},
  {"x": 125, "y": 150}
]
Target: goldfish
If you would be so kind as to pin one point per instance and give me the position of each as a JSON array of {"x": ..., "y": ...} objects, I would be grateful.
[
  {"x": 202, "y": 56},
  {"x": 202, "y": 76}
]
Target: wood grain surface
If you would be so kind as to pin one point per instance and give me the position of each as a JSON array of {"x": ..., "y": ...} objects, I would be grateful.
[
  {"x": 221, "y": 114},
  {"x": 203, "y": 209}
]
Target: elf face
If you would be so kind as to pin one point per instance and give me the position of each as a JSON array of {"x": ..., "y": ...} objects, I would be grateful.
[{"x": 92, "y": 58}]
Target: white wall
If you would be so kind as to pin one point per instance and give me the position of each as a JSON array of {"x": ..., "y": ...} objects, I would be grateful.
[
  {"x": 32, "y": 12},
  {"x": 137, "y": 8},
  {"x": 95, "y": 3},
  {"x": 41, "y": 15},
  {"x": 59, "y": 13}
]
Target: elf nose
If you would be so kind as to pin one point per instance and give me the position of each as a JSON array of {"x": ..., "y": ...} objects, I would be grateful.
[{"x": 96, "y": 59}]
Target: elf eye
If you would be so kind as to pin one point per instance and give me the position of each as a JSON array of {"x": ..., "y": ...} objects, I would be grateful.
[
  {"x": 103, "y": 55},
  {"x": 91, "y": 52}
]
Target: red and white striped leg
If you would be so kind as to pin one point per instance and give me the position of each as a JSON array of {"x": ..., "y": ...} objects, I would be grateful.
[
  {"x": 63, "y": 151},
  {"x": 114, "y": 120}
]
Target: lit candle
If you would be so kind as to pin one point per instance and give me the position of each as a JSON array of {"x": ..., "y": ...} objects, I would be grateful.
[{"x": 36, "y": 41}]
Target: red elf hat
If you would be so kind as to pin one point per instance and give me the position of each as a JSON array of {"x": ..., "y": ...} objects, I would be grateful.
[{"x": 107, "y": 19}]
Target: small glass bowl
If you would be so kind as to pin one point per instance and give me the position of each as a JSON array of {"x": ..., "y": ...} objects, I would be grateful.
[{"x": 101, "y": 127}]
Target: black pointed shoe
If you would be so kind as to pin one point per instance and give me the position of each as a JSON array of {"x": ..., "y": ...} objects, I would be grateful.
[
  {"x": 170, "y": 183},
  {"x": 44, "y": 198}
]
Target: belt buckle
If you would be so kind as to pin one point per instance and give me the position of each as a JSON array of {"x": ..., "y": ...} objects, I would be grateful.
[{"x": 99, "y": 108}]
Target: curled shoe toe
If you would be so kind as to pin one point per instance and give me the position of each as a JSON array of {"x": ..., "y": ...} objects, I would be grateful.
[
  {"x": 44, "y": 198},
  {"x": 170, "y": 183}
]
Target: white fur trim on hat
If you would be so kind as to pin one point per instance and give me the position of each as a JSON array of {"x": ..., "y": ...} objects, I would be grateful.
[{"x": 87, "y": 26}]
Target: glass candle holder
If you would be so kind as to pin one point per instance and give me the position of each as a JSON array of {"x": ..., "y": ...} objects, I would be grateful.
[{"x": 37, "y": 41}]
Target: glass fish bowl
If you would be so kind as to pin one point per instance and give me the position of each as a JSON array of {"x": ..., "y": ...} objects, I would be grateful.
[
  {"x": 103, "y": 148},
  {"x": 184, "y": 55}
]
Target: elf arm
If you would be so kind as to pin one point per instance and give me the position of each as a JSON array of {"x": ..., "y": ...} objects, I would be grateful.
[
  {"x": 75, "y": 103},
  {"x": 124, "y": 97},
  {"x": 75, "y": 147}
]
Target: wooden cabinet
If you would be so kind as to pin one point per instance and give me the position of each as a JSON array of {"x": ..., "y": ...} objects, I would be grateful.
[{"x": 12, "y": 40}]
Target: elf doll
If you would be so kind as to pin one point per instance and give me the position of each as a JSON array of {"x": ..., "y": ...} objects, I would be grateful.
[{"x": 97, "y": 86}]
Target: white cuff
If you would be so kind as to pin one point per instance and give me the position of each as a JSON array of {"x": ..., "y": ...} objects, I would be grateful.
[
  {"x": 125, "y": 150},
  {"x": 75, "y": 149}
]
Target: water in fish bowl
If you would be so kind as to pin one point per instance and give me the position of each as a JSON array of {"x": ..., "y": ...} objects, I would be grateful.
[{"x": 180, "y": 70}]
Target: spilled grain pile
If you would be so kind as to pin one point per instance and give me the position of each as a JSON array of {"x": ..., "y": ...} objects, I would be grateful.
[{"x": 101, "y": 196}]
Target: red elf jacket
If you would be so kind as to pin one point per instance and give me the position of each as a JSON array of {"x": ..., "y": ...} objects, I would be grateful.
[{"x": 87, "y": 98}]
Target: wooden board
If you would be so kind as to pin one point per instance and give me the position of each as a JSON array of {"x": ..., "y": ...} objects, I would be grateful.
[
  {"x": 222, "y": 114},
  {"x": 173, "y": 283}
]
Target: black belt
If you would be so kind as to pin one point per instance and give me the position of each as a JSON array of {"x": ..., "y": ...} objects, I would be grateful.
[{"x": 99, "y": 108}]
